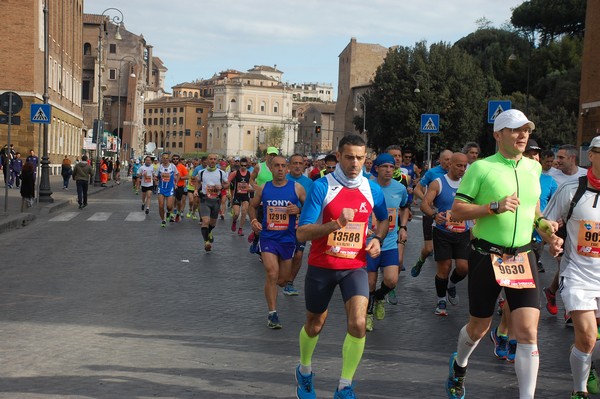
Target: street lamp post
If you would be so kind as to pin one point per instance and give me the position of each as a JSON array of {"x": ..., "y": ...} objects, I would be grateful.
[
  {"x": 118, "y": 20},
  {"x": 45, "y": 192},
  {"x": 359, "y": 99},
  {"x": 132, "y": 75},
  {"x": 419, "y": 75}
]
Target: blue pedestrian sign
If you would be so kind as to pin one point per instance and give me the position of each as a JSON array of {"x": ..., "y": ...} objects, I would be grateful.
[
  {"x": 495, "y": 107},
  {"x": 40, "y": 113},
  {"x": 430, "y": 123}
]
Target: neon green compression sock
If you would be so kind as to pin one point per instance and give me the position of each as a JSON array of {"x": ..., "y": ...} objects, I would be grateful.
[
  {"x": 307, "y": 347},
  {"x": 351, "y": 354}
]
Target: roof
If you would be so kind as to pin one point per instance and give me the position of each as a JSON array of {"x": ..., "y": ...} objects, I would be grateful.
[
  {"x": 177, "y": 100},
  {"x": 186, "y": 85},
  {"x": 255, "y": 76},
  {"x": 159, "y": 63},
  {"x": 93, "y": 19},
  {"x": 264, "y": 68}
]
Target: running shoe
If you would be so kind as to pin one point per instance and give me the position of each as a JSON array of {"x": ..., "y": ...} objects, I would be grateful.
[
  {"x": 143, "y": 206},
  {"x": 304, "y": 387},
  {"x": 416, "y": 270},
  {"x": 207, "y": 246},
  {"x": 579, "y": 395},
  {"x": 441, "y": 308},
  {"x": 273, "y": 321},
  {"x": 253, "y": 248},
  {"x": 391, "y": 297},
  {"x": 346, "y": 393},
  {"x": 289, "y": 290},
  {"x": 177, "y": 218},
  {"x": 550, "y": 301},
  {"x": 512, "y": 351},
  {"x": 453, "y": 296},
  {"x": 455, "y": 387},
  {"x": 163, "y": 223},
  {"x": 194, "y": 217},
  {"x": 240, "y": 232},
  {"x": 379, "y": 309},
  {"x": 234, "y": 225},
  {"x": 370, "y": 322},
  {"x": 147, "y": 211},
  {"x": 189, "y": 215},
  {"x": 593, "y": 384},
  {"x": 500, "y": 344},
  {"x": 222, "y": 217},
  {"x": 251, "y": 238},
  {"x": 210, "y": 237}
]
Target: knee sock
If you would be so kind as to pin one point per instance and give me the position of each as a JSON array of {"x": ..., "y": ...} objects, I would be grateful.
[
  {"x": 371, "y": 303},
  {"x": 455, "y": 278},
  {"x": 580, "y": 368},
  {"x": 441, "y": 285},
  {"x": 204, "y": 233},
  {"x": 382, "y": 291},
  {"x": 465, "y": 347},
  {"x": 210, "y": 228},
  {"x": 307, "y": 347},
  {"x": 352, "y": 352},
  {"x": 527, "y": 363}
]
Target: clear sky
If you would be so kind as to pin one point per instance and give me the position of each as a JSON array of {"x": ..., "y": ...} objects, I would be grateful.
[{"x": 198, "y": 38}]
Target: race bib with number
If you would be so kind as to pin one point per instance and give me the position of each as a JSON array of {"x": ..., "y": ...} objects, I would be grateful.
[
  {"x": 454, "y": 225},
  {"x": 147, "y": 179},
  {"x": 392, "y": 218},
  {"x": 513, "y": 271},
  {"x": 212, "y": 192},
  {"x": 277, "y": 218},
  {"x": 347, "y": 241},
  {"x": 165, "y": 177},
  {"x": 588, "y": 239},
  {"x": 242, "y": 188}
]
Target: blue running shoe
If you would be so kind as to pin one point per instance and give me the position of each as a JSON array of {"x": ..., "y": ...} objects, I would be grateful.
[
  {"x": 304, "y": 388},
  {"x": 455, "y": 388},
  {"x": 346, "y": 393},
  {"x": 500, "y": 344},
  {"x": 273, "y": 321},
  {"x": 253, "y": 248},
  {"x": 416, "y": 270},
  {"x": 512, "y": 350},
  {"x": 290, "y": 290},
  {"x": 391, "y": 297}
]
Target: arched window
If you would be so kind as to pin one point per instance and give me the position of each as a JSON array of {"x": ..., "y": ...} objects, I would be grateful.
[
  {"x": 263, "y": 106},
  {"x": 87, "y": 49},
  {"x": 249, "y": 106},
  {"x": 276, "y": 108}
]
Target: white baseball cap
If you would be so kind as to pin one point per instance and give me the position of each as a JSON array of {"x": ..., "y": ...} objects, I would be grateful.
[
  {"x": 595, "y": 142},
  {"x": 512, "y": 119}
]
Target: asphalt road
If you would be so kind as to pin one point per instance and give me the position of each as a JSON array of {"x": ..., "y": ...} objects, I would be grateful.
[{"x": 103, "y": 303}]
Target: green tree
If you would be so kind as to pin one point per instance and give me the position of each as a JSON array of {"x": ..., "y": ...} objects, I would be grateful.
[{"x": 275, "y": 136}]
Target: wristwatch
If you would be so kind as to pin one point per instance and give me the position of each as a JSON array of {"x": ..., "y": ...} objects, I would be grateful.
[
  {"x": 378, "y": 239},
  {"x": 494, "y": 207}
]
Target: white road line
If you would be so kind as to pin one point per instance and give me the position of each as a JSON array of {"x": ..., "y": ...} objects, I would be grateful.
[
  {"x": 135, "y": 217},
  {"x": 99, "y": 217},
  {"x": 64, "y": 217}
]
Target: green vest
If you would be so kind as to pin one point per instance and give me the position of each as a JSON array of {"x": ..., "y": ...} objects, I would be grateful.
[{"x": 264, "y": 174}]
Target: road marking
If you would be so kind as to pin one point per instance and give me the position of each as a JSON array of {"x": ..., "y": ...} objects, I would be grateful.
[
  {"x": 99, "y": 217},
  {"x": 135, "y": 217},
  {"x": 64, "y": 217}
]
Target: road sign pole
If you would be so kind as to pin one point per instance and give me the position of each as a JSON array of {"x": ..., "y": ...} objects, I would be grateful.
[
  {"x": 8, "y": 153},
  {"x": 428, "y": 151}
]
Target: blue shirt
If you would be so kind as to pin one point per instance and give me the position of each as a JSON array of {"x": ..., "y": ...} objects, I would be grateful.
[
  {"x": 431, "y": 175},
  {"x": 304, "y": 181},
  {"x": 277, "y": 224},
  {"x": 396, "y": 197}
]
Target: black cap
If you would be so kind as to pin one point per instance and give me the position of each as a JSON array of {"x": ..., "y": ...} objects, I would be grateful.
[{"x": 532, "y": 145}]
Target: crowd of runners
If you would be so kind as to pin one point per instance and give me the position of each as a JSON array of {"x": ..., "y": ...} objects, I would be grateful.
[{"x": 484, "y": 220}]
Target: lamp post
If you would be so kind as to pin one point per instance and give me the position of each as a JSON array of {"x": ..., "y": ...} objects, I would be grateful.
[
  {"x": 132, "y": 75},
  {"x": 359, "y": 99},
  {"x": 417, "y": 76},
  {"x": 45, "y": 192},
  {"x": 118, "y": 20},
  {"x": 198, "y": 134}
]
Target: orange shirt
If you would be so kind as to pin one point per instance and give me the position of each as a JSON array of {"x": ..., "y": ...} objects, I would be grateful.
[{"x": 182, "y": 172}]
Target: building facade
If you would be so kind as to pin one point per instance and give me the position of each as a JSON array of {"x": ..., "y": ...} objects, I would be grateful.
[
  {"x": 308, "y": 92},
  {"x": 358, "y": 63},
  {"x": 22, "y": 59},
  {"x": 177, "y": 124},
  {"x": 316, "y": 127},
  {"x": 589, "y": 95}
]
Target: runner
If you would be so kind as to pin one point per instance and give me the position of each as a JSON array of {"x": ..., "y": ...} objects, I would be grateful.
[
  {"x": 396, "y": 200},
  {"x": 167, "y": 176},
  {"x": 296, "y": 174},
  {"x": 135, "y": 177},
  {"x": 190, "y": 187},
  {"x": 580, "y": 276},
  {"x": 335, "y": 218},
  {"x": 450, "y": 236},
  {"x": 147, "y": 176},
  {"x": 240, "y": 179},
  {"x": 179, "y": 189},
  {"x": 259, "y": 176},
  {"x": 280, "y": 199},
  {"x": 209, "y": 185},
  {"x": 501, "y": 193}
]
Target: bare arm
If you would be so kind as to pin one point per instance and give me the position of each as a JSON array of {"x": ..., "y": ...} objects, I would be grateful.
[
  {"x": 419, "y": 191},
  {"x": 255, "y": 203},
  {"x": 253, "y": 176}
]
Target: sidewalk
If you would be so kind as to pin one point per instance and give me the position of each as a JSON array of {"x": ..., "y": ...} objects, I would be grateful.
[{"x": 14, "y": 218}]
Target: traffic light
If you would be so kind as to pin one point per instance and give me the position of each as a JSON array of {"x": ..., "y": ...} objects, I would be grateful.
[{"x": 317, "y": 129}]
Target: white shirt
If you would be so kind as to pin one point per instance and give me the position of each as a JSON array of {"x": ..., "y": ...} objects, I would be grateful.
[
  {"x": 211, "y": 179},
  {"x": 582, "y": 270},
  {"x": 147, "y": 174},
  {"x": 562, "y": 178}
]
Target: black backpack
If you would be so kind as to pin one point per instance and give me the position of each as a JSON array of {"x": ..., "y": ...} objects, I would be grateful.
[{"x": 581, "y": 188}]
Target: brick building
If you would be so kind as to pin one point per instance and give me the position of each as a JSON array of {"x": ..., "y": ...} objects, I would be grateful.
[
  {"x": 589, "y": 95},
  {"x": 22, "y": 71}
]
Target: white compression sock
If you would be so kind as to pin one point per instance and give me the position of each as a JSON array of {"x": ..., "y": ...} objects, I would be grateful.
[
  {"x": 580, "y": 368},
  {"x": 527, "y": 363},
  {"x": 465, "y": 347}
]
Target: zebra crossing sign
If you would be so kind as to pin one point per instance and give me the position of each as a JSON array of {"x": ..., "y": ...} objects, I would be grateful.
[
  {"x": 40, "y": 113},
  {"x": 430, "y": 123},
  {"x": 495, "y": 107}
]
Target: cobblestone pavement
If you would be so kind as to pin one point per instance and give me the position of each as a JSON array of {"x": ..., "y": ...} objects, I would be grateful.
[{"x": 103, "y": 303}]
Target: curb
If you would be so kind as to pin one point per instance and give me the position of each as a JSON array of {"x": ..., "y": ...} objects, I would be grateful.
[{"x": 16, "y": 222}]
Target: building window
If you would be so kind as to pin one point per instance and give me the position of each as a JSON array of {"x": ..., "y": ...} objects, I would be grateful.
[
  {"x": 276, "y": 108},
  {"x": 262, "y": 106},
  {"x": 188, "y": 132},
  {"x": 180, "y": 145},
  {"x": 144, "y": 121},
  {"x": 149, "y": 121},
  {"x": 248, "y": 132},
  {"x": 150, "y": 111},
  {"x": 175, "y": 109},
  {"x": 181, "y": 133},
  {"x": 156, "y": 121},
  {"x": 168, "y": 121},
  {"x": 112, "y": 74},
  {"x": 112, "y": 48},
  {"x": 168, "y": 110},
  {"x": 181, "y": 110},
  {"x": 174, "y": 144},
  {"x": 199, "y": 110},
  {"x": 161, "y": 121},
  {"x": 199, "y": 121},
  {"x": 181, "y": 120},
  {"x": 167, "y": 144},
  {"x": 249, "y": 106}
]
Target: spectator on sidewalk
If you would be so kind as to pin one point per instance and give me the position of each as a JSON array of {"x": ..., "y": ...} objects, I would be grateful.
[
  {"x": 27, "y": 185},
  {"x": 82, "y": 174},
  {"x": 16, "y": 166},
  {"x": 66, "y": 172}
]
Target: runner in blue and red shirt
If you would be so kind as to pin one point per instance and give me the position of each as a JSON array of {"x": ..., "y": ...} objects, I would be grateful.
[{"x": 336, "y": 217}]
